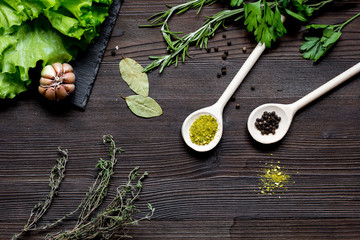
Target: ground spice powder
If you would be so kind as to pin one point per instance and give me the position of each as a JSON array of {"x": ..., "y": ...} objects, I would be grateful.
[
  {"x": 203, "y": 130},
  {"x": 272, "y": 179}
]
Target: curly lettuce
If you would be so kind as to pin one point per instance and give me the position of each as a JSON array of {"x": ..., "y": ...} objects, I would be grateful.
[{"x": 44, "y": 31}]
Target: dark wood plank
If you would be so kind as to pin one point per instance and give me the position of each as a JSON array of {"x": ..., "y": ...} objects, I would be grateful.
[{"x": 198, "y": 196}]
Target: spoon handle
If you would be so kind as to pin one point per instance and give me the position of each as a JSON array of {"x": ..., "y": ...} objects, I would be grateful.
[
  {"x": 241, "y": 74},
  {"x": 326, "y": 87}
]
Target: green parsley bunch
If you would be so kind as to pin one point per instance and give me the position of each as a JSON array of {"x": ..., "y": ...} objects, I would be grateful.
[{"x": 261, "y": 17}]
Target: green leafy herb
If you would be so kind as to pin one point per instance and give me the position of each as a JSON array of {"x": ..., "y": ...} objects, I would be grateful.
[
  {"x": 261, "y": 17},
  {"x": 236, "y": 3},
  {"x": 265, "y": 23},
  {"x": 145, "y": 107},
  {"x": 110, "y": 223},
  {"x": 316, "y": 47},
  {"x": 133, "y": 75},
  {"x": 56, "y": 176}
]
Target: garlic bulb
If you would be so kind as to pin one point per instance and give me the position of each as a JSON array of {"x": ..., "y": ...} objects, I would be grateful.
[{"x": 57, "y": 81}]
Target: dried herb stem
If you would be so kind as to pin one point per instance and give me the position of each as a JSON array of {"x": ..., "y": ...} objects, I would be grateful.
[
  {"x": 98, "y": 191},
  {"x": 111, "y": 223},
  {"x": 56, "y": 176}
]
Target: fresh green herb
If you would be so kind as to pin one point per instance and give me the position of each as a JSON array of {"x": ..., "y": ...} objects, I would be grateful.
[
  {"x": 261, "y": 17},
  {"x": 133, "y": 75},
  {"x": 264, "y": 22},
  {"x": 56, "y": 176},
  {"x": 315, "y": 47},
  {"x": 110, "y": 223},
  {"x": 236, "y": 3},
  {"x": 145, "y": 107},
  {"x": 179, "y": 47}
]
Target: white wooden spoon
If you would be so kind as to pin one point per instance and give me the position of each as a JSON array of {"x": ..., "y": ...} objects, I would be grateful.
[
  {"x": 287, "y": 111},
  {"x": 216, "y": 109}
]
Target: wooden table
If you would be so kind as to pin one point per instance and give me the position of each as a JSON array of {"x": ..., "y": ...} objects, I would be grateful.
[{"x": 213, "y": 195}]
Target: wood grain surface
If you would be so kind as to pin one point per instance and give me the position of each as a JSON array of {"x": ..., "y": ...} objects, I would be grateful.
[{"x": 212, "y": 195}]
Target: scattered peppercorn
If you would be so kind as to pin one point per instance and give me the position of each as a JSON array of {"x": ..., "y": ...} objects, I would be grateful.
[
  {"x": 237, "y": 106},
  {"x": 232, "y": 98},
  {"x": 216, "y": 49},
  {"x": 113, "y": 53},
  {"x": 224, "y": 56},
  {"x": 218, "y": 75},
  {"x": 226, "y": 52},
  {"x": 229, "y": 43},
  {"x": 223, "y": 70},
  {"x": 208, "y": 50},
  {"x": 224, "y": 36},
  {"x": 268, "y": 123},
  {"x": 244, "y": 49},
  {"x": 252, "y": 88}
]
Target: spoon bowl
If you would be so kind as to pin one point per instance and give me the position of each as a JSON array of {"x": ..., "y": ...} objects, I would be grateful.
[
  {"x": 286, "y": 112},
  {"x": 213, "y": 111}
]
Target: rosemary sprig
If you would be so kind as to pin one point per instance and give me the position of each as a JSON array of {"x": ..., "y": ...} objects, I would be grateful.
[
  {"x": 56, "y": 176},
  {"x": 200, "y": 37}
]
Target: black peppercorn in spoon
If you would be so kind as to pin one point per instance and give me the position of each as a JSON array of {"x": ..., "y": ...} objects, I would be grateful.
[{"x": 287, "y": 111}]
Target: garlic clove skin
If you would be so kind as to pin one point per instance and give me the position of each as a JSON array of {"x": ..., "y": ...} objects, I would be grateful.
[
  {"x": 46, "y": 82},
  {"x": 67, "y": 68},
  {"x": 48, "y": 72},
  {"x": 70, "y": 88},
  {"x": 61, "y": 92},
  {"x": 58, "y": 69},
  {"x": 50, "y": 94},
  {"x": 42, "y": 90},
  {"x": 68, "y": 77}
]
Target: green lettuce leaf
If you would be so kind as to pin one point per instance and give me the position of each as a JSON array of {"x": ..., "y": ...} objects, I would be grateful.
[
  {"x": 35, "y": 41},
  {"x": 11, "y": 85},
  {"x": 10, "y": 17},
  {"x": 43, "y": 31},
  {"x": 77, "y": 18}
]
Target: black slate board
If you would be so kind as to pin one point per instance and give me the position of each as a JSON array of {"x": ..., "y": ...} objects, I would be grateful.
[{"x": 86, "y": 66}]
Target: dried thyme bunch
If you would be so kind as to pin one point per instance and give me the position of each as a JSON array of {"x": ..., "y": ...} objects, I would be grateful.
[
  {"x": 109, "y": 223},
  {"x": 56, "y": 176}
]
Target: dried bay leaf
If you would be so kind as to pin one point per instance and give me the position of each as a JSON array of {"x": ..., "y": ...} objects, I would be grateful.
[
  {"x": 145, "y": 107},
  {"x": 133, "y": 75}
]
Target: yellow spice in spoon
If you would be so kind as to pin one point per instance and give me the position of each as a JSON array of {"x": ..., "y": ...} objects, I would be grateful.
[{"x": 203, "y": 130}]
